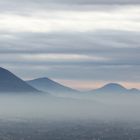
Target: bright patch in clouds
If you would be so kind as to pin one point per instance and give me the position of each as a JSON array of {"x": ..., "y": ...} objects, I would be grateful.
[
  {"x": 126, "y": 18},
  {"x": 61, "y": 57}
]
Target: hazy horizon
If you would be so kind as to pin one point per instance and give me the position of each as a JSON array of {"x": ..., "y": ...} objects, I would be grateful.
[{"x": 87, "y": 85}]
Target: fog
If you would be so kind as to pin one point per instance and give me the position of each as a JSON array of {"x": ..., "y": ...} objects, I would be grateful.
[{"x": 106, "y": 107}]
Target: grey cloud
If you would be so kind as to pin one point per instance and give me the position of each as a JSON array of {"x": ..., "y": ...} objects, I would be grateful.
[
  {"x": 97, "y": 73},
  {"x": 27, "y": 6},
  {"x": 105, "y": 42},
  {"x": 91, "y": 1},
  {"x": 71, "y": 1},
  {"x": 120, "y": 48},
  {"x": 98, "y": 1}
]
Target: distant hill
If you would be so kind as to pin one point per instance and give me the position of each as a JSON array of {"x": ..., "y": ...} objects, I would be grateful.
[
  {"x": 114, "y": 88},
  {"x": 48, "y": 85},
  {"x": 11, "y": 83}
]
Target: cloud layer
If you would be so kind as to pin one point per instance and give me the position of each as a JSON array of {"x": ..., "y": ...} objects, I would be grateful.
[
  {"x": 101, "y": 55},
  {"x": 71, "y": 40}
]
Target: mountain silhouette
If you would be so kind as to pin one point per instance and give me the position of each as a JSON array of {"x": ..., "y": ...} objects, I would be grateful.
[
  {"x": 134, "y": 90},
  {"x": 11, "y": 83},
  {"x": 48, "y": 85},
  {"x": 114, "y": 88}
]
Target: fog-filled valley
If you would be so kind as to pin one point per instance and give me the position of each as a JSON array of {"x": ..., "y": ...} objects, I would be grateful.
[
  {"x": 50, "y": 117},
  {"x": 83, "y": 107}
]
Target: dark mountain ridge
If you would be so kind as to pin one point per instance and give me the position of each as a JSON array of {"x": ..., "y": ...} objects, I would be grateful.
[{"x": 11, "y": 83}]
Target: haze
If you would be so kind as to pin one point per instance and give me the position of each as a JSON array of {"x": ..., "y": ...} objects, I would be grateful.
[{"x": 96, "y": 108}]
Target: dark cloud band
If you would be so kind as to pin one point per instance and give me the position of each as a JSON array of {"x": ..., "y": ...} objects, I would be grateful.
[{"x": 119, "y": 51}]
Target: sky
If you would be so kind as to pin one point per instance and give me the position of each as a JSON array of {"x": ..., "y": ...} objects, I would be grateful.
[{"x": 80, "y": 43}]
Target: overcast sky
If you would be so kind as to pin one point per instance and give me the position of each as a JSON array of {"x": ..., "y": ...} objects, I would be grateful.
[{"x": 81, "y": 43}]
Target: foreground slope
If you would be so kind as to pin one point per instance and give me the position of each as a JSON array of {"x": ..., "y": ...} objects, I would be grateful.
[{"x": 11, "y": 83}]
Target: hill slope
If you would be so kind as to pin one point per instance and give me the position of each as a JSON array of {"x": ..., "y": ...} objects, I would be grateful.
[
  {"x": 48, "y": 85},
  {"x": 11, "y": 83}
]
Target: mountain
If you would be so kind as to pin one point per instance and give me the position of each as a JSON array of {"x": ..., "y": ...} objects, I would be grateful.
[
  {"x": 11, "y": 83},
  {"x": 114, "y": 88},
  {"x": 48, "y": 85},
  {"x": 134, "y": 90}
]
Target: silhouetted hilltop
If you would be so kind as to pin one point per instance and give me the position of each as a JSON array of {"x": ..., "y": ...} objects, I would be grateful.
[
  {"x": 114, "y": 88},
  {"x": 11, "y": 83},
  {"x": 48, "y": 85}
]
